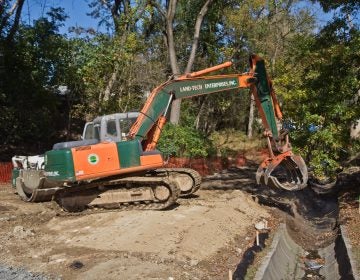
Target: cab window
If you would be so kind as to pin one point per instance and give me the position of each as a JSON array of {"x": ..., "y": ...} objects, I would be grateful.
[
  {"x": 91, "y": 131},
  {"x": 111, "y": 128},
  {"x": 125, "y": 125}
]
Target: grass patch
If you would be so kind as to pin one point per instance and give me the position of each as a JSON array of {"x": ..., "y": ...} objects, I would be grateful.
[{"x": 230, "y": 142}]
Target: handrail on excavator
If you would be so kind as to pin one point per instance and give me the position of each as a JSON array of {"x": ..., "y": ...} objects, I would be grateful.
[{"x": 207, "y": 70}]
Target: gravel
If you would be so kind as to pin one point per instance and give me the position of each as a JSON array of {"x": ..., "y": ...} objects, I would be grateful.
[{"x": 18, "y": 273}]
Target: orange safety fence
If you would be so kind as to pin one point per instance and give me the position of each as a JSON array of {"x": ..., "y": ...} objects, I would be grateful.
[
  {"x": 207, "y": 166},
  {"x": 5, "y": 172}
]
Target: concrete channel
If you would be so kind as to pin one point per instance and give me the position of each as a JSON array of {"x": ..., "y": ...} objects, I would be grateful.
[{"x": 288, "y": 260}]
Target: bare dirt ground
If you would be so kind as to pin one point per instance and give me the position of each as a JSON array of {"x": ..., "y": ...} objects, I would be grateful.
[{"x": 203, "y": 237}]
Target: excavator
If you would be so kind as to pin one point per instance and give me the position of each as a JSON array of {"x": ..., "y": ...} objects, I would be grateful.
[{"x": 116, "y": 164}]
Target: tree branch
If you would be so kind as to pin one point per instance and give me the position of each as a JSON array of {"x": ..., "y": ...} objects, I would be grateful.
[
  {"x": 195, "y": 43},
  {"x": 8, "y": 14},
  {"x": 105, "y": 3},
  {"x": 15, "y": 25},
  {"x": 156, "y": 5}
]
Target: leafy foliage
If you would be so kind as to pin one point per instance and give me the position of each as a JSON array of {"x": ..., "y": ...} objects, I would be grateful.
[
  {"x": 33, "y": 65},
  {"x": 183, "y": 141}
]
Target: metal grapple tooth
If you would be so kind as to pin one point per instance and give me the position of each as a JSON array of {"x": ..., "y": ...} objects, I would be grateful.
[
  {"x": 259, "y": 174},
  {"x": 298, "y": 172},
  {"x": 274, "y": 182},
  {"x": 271, "y": 167},
  {"x": 300, "y": 163}
]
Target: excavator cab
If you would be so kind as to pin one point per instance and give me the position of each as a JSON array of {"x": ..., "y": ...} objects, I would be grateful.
[
  {"x": 107, "y": 128},
  {"x": 114, "y": 127}
]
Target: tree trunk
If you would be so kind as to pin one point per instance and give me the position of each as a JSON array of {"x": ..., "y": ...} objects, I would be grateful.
[
  {"x": 355, "y": 127},
  {"x": 251, "y": 117},
  {"x": 202, "y": 106},
  {"x": 169, "y": 34},
  {"x": 7, "y": 15},
  {"x": 176, "y": 105},
  {"x": 110, "y": 84},
  {"x": 15, "y": 25}
]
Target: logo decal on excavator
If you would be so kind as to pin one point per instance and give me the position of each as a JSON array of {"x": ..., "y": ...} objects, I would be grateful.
[
  {"x": 221, "y": 84},
  {"x": 93, "y": 159},
  {"x": 191, "y": 88}
]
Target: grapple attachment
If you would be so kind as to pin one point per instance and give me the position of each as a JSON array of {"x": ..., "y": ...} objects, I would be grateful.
[
  {"x": 282, "y": 169},
  {"x": 285, "y": 171}
]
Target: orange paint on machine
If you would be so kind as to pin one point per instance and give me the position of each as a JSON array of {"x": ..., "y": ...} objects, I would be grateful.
[
  {"x": 102, "y": 159},
  {"x": 155, "y": 161},
  {"x": 95, "y": 159}
]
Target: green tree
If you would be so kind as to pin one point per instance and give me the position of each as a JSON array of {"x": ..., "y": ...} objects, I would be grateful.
[
  {"x": 33, "y": 62},
  {"x": 319, "y": 86}
]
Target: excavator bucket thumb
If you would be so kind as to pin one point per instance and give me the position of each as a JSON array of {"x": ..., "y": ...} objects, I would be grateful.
[{"x": 285, "y": 171}]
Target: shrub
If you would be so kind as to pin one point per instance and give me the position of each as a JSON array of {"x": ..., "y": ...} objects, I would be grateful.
[{"x": 183, "y": 141}]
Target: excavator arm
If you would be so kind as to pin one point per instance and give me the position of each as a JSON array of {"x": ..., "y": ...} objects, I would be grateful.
[{"x": 282, "y": 169}]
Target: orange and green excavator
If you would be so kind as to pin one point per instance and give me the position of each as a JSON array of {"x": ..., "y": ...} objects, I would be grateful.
[{"x": 121, "y": 168}]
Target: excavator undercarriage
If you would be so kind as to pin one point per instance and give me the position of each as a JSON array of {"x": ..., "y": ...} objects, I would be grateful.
[{"x": 155, "y": 190}]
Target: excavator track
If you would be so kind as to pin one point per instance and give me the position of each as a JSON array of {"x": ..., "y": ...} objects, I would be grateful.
[
  {"x": 138, "y": 192},
  {"x": 188, "y": 179},
  {"x": 156, "y": 189},
  {"x": 164, "y": 174}
]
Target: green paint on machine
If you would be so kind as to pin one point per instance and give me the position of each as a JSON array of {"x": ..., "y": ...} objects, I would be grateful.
[
  {"x": 129, "y": 153},
  {"x": 14, "y": 174},
  {"x": 157, "y": 107},
  {"x": 182, "y": 89},
  {"x": 265, "y": 97},
  {"x": 59, "y": 165}
]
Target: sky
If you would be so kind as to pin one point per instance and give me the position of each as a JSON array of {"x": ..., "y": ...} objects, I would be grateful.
[{"x": 77, "y": 11}]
